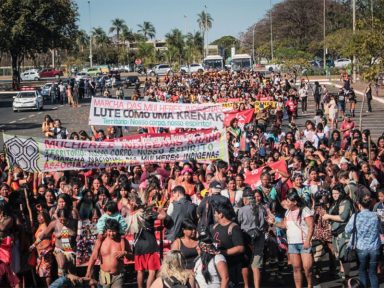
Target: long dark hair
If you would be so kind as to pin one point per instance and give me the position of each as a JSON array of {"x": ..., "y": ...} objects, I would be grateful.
[
  {"x": 208, "y": 252},
  {"x": 343, "y": 196},
  {"x": 293, "y": 196}
]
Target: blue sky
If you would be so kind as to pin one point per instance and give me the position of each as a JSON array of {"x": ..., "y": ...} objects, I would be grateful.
[{"x": 230, "y": 17}]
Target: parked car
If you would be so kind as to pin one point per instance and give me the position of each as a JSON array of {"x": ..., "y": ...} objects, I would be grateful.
[
  {"x": 274, "y": 67},
  {"x": 32, "y": 70},
  {"x": 92, "y": 71},
  {"x": 126, "y": 68},
  {"x": 26, "y": 100},
  {"x": 50, "y": 72},
  {"x": 161, "y": 69},
  {"x": 45, "y": 90},
  {"x": 193, "y": 68},
  {"x": 131, "y": 81},
  {"x": 81, "y": 75},
  {"x": 30, "y": 76},
  {"x": 342, "y": 62}
]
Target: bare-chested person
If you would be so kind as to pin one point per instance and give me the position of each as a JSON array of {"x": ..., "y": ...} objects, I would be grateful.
[{"x": 112, "y": 251}]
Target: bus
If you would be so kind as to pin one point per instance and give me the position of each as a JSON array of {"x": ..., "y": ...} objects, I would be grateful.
[
  {"x": 241, "y": 62},
  {"x": 213, "y": 62}
]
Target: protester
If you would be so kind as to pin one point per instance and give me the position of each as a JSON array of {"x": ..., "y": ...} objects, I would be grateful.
[
  {"x": 308, "y": 179},
  {"x": 172, "y": 271},
  {"x": 211, "y": 269},
  {"x": 300, "y": 226},
  {"x": 367, "y": 239}
]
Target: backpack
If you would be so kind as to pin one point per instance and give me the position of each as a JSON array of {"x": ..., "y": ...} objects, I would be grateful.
[
  {"x": 173, "y": 282},
  {"x": 230, "y": 227}
]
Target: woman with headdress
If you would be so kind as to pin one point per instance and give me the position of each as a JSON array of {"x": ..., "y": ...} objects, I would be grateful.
[{"x": 211, "y": 268}]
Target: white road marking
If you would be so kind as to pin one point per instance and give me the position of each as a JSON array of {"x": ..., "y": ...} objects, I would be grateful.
[
  {"x": 21, "y": 119},
  {"x": 30, "y": 116},
  {"x": 55, "y": 107},
  {"x": 40, "y": 113},
  {"x": 12, "y": 122}
]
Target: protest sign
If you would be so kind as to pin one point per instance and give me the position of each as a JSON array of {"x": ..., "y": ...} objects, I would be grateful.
[
  {"x": 244, "y": 117},
  {"x": 252, "y": 178},
  {"x": 229, "y": 103},
  {"x": 259, "y": 105},
  {"x": 36, "y": 154},
  {"x": 106, "y": 111}
]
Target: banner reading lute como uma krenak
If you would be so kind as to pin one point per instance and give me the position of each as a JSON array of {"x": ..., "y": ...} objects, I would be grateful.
[
  {"x": 38, "y": 154},
  {"x": 114, "y": 112}
]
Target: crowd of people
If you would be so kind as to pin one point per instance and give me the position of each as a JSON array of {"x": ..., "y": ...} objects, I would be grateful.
[{"x": 191, "y": 224}]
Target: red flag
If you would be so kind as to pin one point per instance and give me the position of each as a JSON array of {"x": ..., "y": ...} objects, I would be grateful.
[
  {"x": 244, "y": 117},
  {"x": 252, "y": 178}
]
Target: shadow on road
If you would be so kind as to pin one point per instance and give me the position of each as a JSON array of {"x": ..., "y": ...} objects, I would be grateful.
[{"x": 19, "y": 126}]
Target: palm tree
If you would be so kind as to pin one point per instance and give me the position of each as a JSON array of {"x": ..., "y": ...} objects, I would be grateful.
[
  {"x": 204, "y": 19},
  {"x": 126, "y": 34},
  {"x": 147, "y": 29},
  {"x": 82, "y": 40},
  {"x": 195, "y": 46},
  {"x": 146, "y": 52},
  {"x": 117, "y": 25},
  {"x": 100, "y": 37},
  {"x": 175, "y": 39}
]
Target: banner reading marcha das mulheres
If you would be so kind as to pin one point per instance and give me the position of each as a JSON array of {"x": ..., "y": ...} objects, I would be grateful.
[
  {"x": 105, "y": 111},
  {"x": 37, "y": 154}
]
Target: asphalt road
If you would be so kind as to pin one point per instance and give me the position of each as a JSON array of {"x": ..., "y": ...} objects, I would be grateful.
[
  {"x": 373, "y": 121},
  {"x": 28, "y": 122}
]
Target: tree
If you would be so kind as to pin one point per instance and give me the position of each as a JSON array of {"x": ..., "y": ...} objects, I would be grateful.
[
  {"x": 30, "y": 27},
  {"x": 146, "y": 52},
  {"x": 100, "y": 37},
  {"x": 227, "y": 42},
  {"x": 82, "y": 40},
  {"x": 147, "y": 30},
  {"x": 205, "y": 20},
  {"x": 117, "y": 25},
  {"x": 298, "y": 24},
  {"x": 195, "y": 46},
  {"x": 175, "y": 39}
]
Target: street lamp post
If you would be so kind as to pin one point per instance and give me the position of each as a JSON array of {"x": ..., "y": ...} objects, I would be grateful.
[
  {"x": 354, "y": 31},
  {"x": 253, "y": 43},
  {"x": 90, "y": 35},
  {"x": 270, "y": 20},
  {"x": 206, "y": 30},
  {"x": 324, "y": 52}
]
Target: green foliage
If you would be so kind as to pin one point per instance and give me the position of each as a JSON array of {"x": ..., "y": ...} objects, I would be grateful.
[
  {"x": 205, "y": 20},
  {"x": 146, "y": 52},
  {"x": 30, "y": 27},
  {"x": 147, "y": 30},
  {"x": 175, "y": 41},
  {"x": 227, "y": 42},
  {"x": 194, "y": 47}
]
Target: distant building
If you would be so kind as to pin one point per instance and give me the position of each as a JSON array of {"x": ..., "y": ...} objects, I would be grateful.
[{"x": 158, "y": 44}]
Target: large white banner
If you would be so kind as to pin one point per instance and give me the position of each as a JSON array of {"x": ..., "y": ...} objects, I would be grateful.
[
  {"x": 106, "y": 111},
  {"x": 37, "y": 154}
]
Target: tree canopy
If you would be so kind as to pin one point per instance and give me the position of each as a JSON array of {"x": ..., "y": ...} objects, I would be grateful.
[{"x": 30, "y": 27}]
